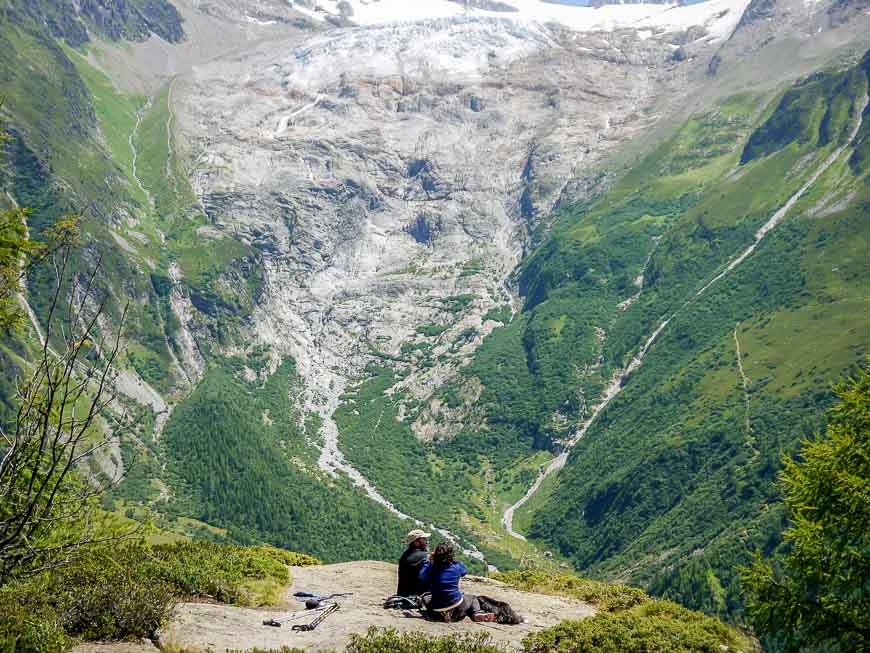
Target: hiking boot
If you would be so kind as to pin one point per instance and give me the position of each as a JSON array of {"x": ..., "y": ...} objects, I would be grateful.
[{"x": 482, "y": 617}]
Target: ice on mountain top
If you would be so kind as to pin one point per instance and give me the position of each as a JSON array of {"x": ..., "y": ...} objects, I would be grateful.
[
  {"x": 720, "y": 17},
  {"x": 451, "y": 45}
]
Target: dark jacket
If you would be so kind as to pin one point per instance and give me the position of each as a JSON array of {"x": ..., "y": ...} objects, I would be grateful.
[
  {"x": 409, "y": 572},
  {"x": 443, "y": 582}
]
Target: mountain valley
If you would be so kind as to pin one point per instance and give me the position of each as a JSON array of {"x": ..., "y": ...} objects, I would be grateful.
[{"x": 563, "y": 283}]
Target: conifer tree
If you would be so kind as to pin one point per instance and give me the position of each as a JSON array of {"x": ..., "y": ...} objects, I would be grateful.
[{"x": 818, "y": 594}]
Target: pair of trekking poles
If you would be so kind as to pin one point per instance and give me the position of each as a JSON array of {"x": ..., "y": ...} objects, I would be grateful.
[
  {"x": 324, "y": 611},
  {"x": 314, "y": 603}
]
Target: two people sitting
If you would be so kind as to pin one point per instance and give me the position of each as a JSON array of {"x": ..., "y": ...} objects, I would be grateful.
[{"x": 435, "y": 579}]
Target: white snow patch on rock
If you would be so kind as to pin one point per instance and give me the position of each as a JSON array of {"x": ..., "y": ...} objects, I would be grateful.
[
  {"x": 466, "y": 47},
  {"x": 720, "y": 17}
]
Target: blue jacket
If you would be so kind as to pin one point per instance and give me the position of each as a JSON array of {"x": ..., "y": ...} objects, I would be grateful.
[{"x": 443, "y": 582}]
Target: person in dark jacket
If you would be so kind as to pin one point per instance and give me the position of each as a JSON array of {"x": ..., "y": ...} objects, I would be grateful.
[
  {"x": 411, "y": 562},
  {"x": 442, "y": 573}
]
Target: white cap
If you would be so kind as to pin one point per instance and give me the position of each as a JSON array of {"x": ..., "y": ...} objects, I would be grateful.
[{"x": 416, "y": 534}]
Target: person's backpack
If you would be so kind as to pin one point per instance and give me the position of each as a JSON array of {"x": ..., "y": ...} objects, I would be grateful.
[
  {"x": 397, "y": 602},
  {"x": 504, "y": 613}
]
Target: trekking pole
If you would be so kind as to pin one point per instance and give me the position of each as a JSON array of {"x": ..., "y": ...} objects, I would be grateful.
[
  {"x": 317, "y": 620},
  {"x": 277, "y": 623}
]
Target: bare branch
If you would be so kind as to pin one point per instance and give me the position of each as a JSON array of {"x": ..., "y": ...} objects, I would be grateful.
[{"x": 58, "y": 405}]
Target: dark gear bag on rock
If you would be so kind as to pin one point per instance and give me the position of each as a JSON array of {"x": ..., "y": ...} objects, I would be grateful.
[
  {"x": 504, "y": 613},
  {"x": 397, "y": 602}
]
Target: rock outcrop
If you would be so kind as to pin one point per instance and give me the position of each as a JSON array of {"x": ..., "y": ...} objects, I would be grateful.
[{"x": 200, "y": 626}]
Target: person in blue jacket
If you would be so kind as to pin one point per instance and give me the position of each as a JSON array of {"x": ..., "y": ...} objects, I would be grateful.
[{"x": 447, "y": 603}]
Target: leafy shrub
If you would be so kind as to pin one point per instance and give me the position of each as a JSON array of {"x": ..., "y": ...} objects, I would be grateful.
[
  {"x": 112, "y": 594},
  {"x": 389, "y": 640},
  {"x": 610, "y": 597},
  {"x": 652, "y": 627},
  {"x": 129, "y": 591},
  {"x": 289, "y": 558},
  {"x": 103, "y": 594},
  {"x": 251, "y": 576},
  {"x": 25, "y": 630}
]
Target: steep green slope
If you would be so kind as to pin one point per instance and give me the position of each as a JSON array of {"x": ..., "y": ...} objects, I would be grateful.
[
  {"x": 672, "y": 485},
  {"x": 238, "y": 459}
]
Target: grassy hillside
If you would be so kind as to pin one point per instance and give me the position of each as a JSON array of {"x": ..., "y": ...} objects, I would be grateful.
[{"x": 672, "y": 486}]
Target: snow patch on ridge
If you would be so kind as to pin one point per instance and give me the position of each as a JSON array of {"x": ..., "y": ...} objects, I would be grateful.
[
  {"x": 417, "y": 50},
  {"x": 720, "y": 17}
]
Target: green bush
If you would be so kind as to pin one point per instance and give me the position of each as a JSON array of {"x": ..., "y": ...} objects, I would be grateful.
[
  {"x": 610, "y": 597},
  {"x": 653, "y": 627},
  {"x": 112, "y": 594},
  {"x": 389, "y": 640},
  {"x": 251, "y": 576},
  {"x": 129, "y": 591},
  {"x": 25, "y": 630},
  {"x": 104, "y": 594}
]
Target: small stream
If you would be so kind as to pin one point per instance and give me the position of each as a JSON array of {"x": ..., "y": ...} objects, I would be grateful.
[{"x": 332, "y": 461}]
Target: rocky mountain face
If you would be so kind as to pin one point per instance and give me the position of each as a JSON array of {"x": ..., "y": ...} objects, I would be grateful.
[
  {"x": 381, "y": 271},
  {"x": 134, "y": 20},
  {"x": 381, "y": 174}
]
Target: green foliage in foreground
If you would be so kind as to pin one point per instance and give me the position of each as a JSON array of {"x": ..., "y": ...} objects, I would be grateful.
[
  {"x": 251, "y": 576},
  {"x": 129, "y": 591},
  {"x": 649, "y": 627},
  {"x": 653, "y": 627},
  {"x": 819, "y": 593},
  {"x": 390, "y": 640},
  {"x": 609, "y": 597},
  {"x": 27, "y": 627}
]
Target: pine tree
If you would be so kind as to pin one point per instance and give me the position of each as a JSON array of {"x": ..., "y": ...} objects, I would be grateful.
[{"x": 818, "y": 594}]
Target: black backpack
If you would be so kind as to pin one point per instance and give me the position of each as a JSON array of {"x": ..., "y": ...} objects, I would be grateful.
[{"x": 504, "y": 613}]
